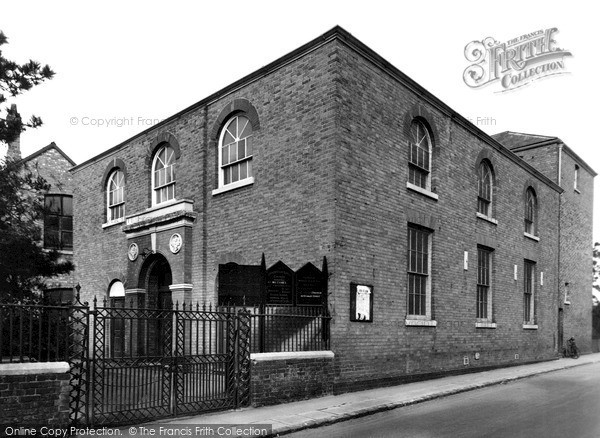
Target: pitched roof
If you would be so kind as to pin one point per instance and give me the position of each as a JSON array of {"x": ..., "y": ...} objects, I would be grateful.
[
  {"x": 519, "y": 141},
  {"x": 513, "y": 140},
  {"x": 343, "y": 36},
  {"x": 47, "y": 148}
]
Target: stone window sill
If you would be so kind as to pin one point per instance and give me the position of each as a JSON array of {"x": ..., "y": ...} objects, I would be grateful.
[
  {"x": 532, "y": 237},
  {"x": 485, "y": 325},
  {"x": 60, "y": 251},
  {"x": 487, "y": 218},
  {"x": 530, "y": 326},
  {"x": 113, "y": 223},
  {"x": 420, "y": 322},
  {"x": 422, "y": 191},
  {"x": 233, "y": 186}
]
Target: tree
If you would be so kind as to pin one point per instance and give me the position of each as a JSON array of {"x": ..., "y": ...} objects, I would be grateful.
[
  {"x": 16, "y": 78},
  {"x": 23, "y": 261}
]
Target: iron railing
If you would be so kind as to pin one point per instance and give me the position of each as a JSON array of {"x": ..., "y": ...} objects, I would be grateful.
[
  {"x": 182, "y": 360},
  {"x": 34, "y": 332},
  {"x": 281, "y": 328}
]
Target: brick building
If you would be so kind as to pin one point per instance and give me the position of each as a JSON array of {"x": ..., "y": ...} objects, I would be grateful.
[
  {"x": 53, "y": 165},
  {"x": 463, "y": 246}
]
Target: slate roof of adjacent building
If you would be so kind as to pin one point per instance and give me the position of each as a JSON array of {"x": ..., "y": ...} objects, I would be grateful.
[
  {"x": 513, "y": 140},
  {"x": 520, "y": 141}
]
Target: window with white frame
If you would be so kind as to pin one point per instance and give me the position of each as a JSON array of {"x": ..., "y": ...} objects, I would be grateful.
[
  {"x": 115, "y": 196},
  {"x": 235, "y": 152},
  {"x": 418, "y": 273},
  {"x": 484, "y": 284},
  {"x": 530, "y": 212},
  {"x": 576, "y": 178},
  {"x": 419, "y": 159},
  {"x": 529, "y": 292},
  {"x": 163, "y": 175},
  {"x": 484, "y": 193}
]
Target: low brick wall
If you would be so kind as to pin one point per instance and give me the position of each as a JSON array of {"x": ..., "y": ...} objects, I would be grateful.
[
  {"x": 286, "y": 377},
  {"x": 34, "y": 394}
]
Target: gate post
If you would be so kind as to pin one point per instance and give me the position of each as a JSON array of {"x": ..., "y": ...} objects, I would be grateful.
[
  {"x": 79, "y": 321},
  {"x": 242, "y": 358}
]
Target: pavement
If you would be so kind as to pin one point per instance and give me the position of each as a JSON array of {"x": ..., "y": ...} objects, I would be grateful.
[{"x": 295, "y": 416}]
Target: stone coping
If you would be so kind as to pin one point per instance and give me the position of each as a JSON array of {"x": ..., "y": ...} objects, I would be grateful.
[
  {"x": 292, "y": 355},
  {"x": 16, "y": 369}
]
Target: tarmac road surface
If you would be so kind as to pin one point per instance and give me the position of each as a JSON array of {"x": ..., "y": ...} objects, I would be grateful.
[{"x": 564, "y": 403}]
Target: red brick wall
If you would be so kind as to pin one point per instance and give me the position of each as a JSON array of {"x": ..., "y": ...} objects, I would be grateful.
[
  {"x": 54, "y": 168},
  {"x": 287, "y": 379},
  {"x": 576, "y": 238},
  {"x": 576, "y": 233},
  {"x": 34, "y": 400},
  {"x": 278, "y": 215},
  {"x": 373, "y": 209},
  {"x": 330, "y": 164}
]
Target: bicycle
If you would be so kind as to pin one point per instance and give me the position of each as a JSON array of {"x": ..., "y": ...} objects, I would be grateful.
[{"x": 571, "y": 350}]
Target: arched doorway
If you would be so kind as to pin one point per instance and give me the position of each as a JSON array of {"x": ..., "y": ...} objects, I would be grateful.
[{"x": 155, "y": 278}]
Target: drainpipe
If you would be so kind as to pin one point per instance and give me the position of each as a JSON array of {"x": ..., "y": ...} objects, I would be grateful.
[{"x": 560, "y": 279}]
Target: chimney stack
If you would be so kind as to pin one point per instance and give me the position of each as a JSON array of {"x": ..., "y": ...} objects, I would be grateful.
[{"x": 14, "y": 147}]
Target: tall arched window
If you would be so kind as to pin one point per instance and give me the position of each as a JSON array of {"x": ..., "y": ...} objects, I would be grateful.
[
  {"x": 530, "y": 212},
  {"x": 163, "y": 175},
  {"x": 419, "y": 159},
  {"x": 484, "y": 193},
  {"x": 115, "y": 196},
  {"x": 235, "y": 151}
]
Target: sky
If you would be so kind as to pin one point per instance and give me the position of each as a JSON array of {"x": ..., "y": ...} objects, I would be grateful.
[{"x": 122, "y": 66}]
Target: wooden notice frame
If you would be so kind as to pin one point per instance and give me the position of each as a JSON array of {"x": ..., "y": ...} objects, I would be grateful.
[
  {"x": 280, "y": 284},
  {"x": 361, "y": 302}
]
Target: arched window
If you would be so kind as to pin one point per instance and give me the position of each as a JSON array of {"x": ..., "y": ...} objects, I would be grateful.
[
  {"x": 163, "y": 175},
  {"x": 235, "y": 151},
  {"x": 530, "y": 212},
  {"x": 116, "y": 294},
  {"x": 419, "y": 159},
  {"x": 116, "y": 290},
  {"x": 484, "y": 193},
  {"x": 115, "y": 196}
]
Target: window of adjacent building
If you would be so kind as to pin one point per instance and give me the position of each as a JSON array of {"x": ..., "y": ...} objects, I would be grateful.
[
  {"x": 484, "y": 193},
  {"x": 115, "y": 196},
  {"x": 419, "y": 283},
  {"x": 530, "y": 211},
  {"x": 576, "y": 178},
  {"x": 484, "y": 295},
  {"x": 235, "y": 151},
  {"x": 58, "y": 222},
  {"x": 163, "y": 175},
  {"x": 419, "y": 159},
  {"x": 116, "y": 295},
  {"x": 529, "y": 292}
]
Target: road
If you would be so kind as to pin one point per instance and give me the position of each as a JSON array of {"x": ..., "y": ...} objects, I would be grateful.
[{"x": 558, "y": 404}]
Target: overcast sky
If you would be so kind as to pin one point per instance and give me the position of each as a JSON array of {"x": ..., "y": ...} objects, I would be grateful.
[{"x": 137, "y": 62}]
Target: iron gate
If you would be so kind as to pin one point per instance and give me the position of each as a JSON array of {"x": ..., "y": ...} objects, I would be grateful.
[{"x": 152, "y": 363}]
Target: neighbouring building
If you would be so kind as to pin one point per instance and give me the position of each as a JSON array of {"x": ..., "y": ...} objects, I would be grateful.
[
  {"x": 53, "y": 165},
  {"x": 446, "y": 249}
]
